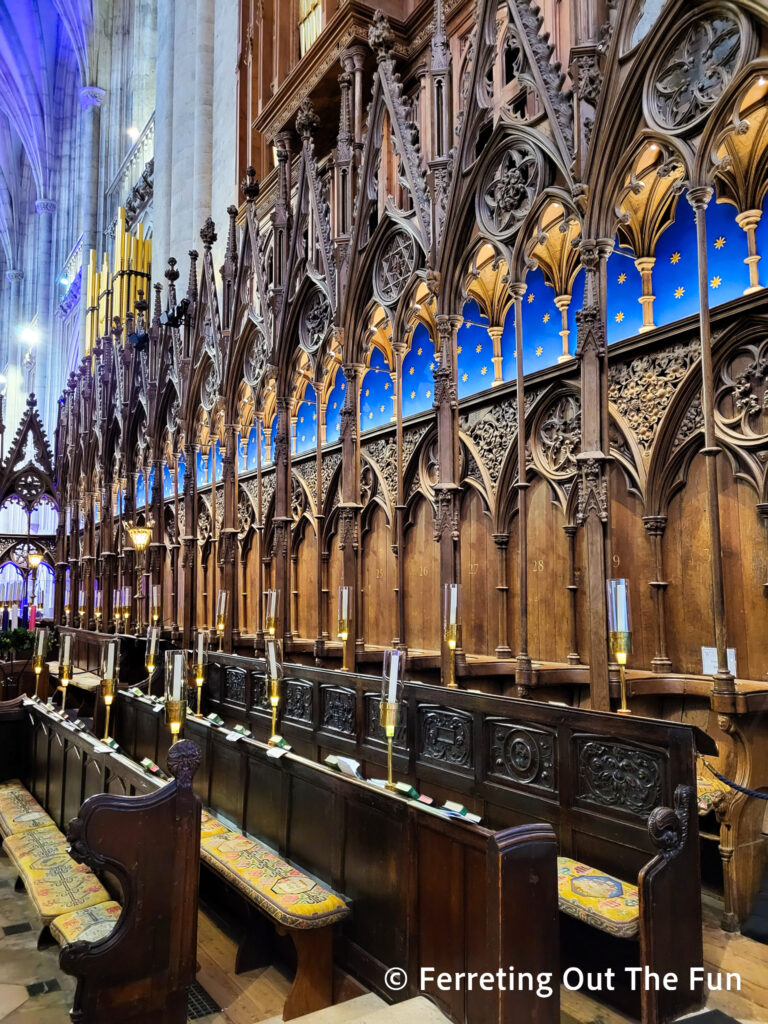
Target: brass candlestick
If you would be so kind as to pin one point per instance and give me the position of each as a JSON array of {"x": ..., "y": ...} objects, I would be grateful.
[
  {"x": 343, "y": 633},
  {"x": 621, "y": 646},
  {"x": 176, "y": 711},
  {"x": 274, "y": 700},
  {"x": 108, "y": 689},
  {"x": 389, "y": 713}
]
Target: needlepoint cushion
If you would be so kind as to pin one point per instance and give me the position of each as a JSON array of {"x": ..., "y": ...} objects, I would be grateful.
[
  {"x": 19, "y": 811},
  {"x": 40, "y": 842},
  {"x": 710, "y": 791},
  {"x": 280, "y": 890},
  {"x": 57, "y": 885},
  {"x": 89, "y": 925},
  {"x": 211, "y": 826},
  {"x": 597, "y": 898}
]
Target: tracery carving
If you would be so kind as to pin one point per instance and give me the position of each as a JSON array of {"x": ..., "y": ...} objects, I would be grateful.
[
  {"x": 692, "y": 422},
  {"x": 383, "y": 453},
  {"x": 315, "y": 320},
  {"x": 234, "y": 680},
  {"x": 642, "y": 389},
  {"x": 508, "y": 190},
  {"x": 394, "y": 267},
  {"x": 330, "y": 463},
  {"x": 619, "y": 776},
  {"x": 696, "y": 68},
  {"x": 593, "y": 492}
]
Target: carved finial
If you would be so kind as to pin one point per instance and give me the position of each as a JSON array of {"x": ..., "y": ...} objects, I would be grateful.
[
  {"x": 307, "y": 121},
  {"x": 183, "y": 761},
  {"x": 208, "y": 233},
  {"x": 158, "y": 305},
  {"x": 250, "y": 185},
  {"x": 381, "y": 38},
  {"x": 192, "y": 286},
  {"x": 231, "y": 254}
]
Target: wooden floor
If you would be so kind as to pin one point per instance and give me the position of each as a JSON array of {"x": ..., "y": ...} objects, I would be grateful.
[{"x": 34, "y": 991}]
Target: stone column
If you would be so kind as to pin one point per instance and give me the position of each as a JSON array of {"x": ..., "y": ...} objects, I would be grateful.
[
  {"x": 46, "y": 208},
  {"x": 748, "y": 222},
  {"x": 91, "y": 102},
  {"x": 161, "y": 229},
  {"x": 645, "y": 267},
  {"x": 201, "y": 185},
  {"x": 14, "y": 277}
]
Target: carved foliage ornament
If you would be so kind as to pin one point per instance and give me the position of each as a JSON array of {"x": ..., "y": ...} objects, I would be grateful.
[
  {"x": 696, "y": 68},
  {"x": 559, "y": 436},
  {"x": 255, "y": 361},
  {"x": 742, "y": 392},
  {"x": 618, "y": 776},
  {"x": 394, "y": 268},
  {"x": 522, "y": 755},
  {"x": 508, "y": 190},
  {"x": 446, "y": 736}
]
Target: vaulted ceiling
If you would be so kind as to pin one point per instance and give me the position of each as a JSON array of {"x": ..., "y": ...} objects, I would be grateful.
[{"x": 43, "y": 61}]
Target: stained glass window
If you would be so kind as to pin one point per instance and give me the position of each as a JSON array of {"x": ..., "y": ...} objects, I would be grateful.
[{"x": 310, "y": 23}]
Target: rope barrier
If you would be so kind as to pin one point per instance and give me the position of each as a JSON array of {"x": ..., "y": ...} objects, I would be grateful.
[{"x": 735, "y": 785}]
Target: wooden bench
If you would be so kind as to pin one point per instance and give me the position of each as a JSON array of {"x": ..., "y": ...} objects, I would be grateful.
[
  {"x": 296, "y": 904},
  {"x": 602, "y": 781},
  {"x": 55, "y": 883}
]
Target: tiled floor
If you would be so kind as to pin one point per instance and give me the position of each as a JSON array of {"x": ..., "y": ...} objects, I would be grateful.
[{"x": 34, "y": 991}]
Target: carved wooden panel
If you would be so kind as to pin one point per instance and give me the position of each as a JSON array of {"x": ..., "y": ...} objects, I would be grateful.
[
  {"x": 445, "y": 736},
  {"x": 305, "y": 584},
  {"x": 379, "y": 581},
  {"x": 298, "y": 700},
  {"x": 422, "y": 571},
  {"x": 478, "y": 564},
  {"x": 338, "y": 709},
  {"x": 618, "y": 776},
  {"x": 259, "y": 692},
  {"x": 523, "y": 756},
  {"x": 234, "y": 685}
]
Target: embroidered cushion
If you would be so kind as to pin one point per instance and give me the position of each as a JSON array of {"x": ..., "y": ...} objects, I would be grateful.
[
  {"x": 285, "y": 893},
  {"x": 710, "y": 791},
  {"x": 598, "y": 898},
  {"x": 40, "y": 842},
  {"x": 210, "y": 826},
  {"x": 89, "y": 925},
  {"x": 56, "y": 884},
  {"x": 19, "y": 811}
]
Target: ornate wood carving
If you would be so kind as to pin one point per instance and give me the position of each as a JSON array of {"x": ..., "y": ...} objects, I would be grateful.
[
  {"x": 446, "y": 736},
  {"x": 619, "y": 776},
  {"x": 522, "y": 755}
]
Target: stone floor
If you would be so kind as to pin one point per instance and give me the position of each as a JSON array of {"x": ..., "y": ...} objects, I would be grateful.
[{"x": 34, "y": 991}]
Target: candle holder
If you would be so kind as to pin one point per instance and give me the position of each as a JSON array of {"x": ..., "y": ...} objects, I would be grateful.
[
  {"x": 151, "y": 653},
  {"x": 97, "y": 609},
  {"x": 156, "y": 598},
  {"x": 391, "y": 698},
  {"x": 345, "y": 603},
  {"x": 127, "y": 597},
  {"x": 81, "y": 606},
  {"x": 451, "y": 627},
  {"x": 270, "y": 612},
  {"x": 221, "y": 614},
  {"x": 41, "y": 646},
  {"x": 65, "y": 667},
  {"x": 199, "y": 651},
  {"x": 117, "y": 613},
  {"x": 274, "y": 656},
  {"x": 110, "y": 665},
  {"x": 620, "y": 632},
  {"x": 140, "y": 538},
  {"x": 175, "y": 691}
]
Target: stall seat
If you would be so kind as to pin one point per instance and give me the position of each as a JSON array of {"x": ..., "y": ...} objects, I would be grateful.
[
  {"x": 279, "y": 890},
  {"x": 19, "y": 811},
  {"x": 711, "y": 793},
  {"x": 597, "y": 898},
  {"x": 92, "y": 924}
]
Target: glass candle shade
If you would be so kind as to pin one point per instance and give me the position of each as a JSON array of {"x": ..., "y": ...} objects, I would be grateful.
[
  {"x": 156, "y": 597},
  {"x": 65, "y": 659},
  {"x": 221, "y": 610},
  {"x": 344, "y": 606},
  {"x": 619, "y": 619},
  {"x": 98, "y": 606},
  {"x": 391, "y": 689},
  {"x": 151, "y": 651},
  {"x": 81, "y": 603},
  {"x": 274, "y": 659},
  {"x": 40, "y": 649},
  {"x": 270, "y": 612},
  {"x": 451, "y": 614},
  {"x": 117, "y": 609},
  {"x": 175, "y": 691},
  {"x": 199, "y": 651},
  {"x": 110, "y": 659},
  {"x": 125, "y": 603}
]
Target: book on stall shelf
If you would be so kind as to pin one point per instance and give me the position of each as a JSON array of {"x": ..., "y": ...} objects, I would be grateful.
[
  {"x": 149, "y": 766},
  {"x": 332, "y": 761},
  {"x": 242, "y": 730},
  {"x": 78, "y": 724},
  {"x": 214, "y": 719},
  {"x": 113, "y": 744},
  {"x": 348, "y": 766},
  {"x": 424, "y": 799},
  {"x": 456, "y": 810},
  {"x": 136, "y": 691},
  {"x": 406, "y": 789},
  {"x": 279, "y": 742}
]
